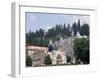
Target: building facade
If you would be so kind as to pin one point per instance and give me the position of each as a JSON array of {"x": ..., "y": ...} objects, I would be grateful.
[{"x": 37, "y": 54}]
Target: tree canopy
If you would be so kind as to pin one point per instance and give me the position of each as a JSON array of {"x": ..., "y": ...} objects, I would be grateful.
[
  {"x": 84, "y": 30},
  {"x": 41, "y": 37},
  {"x": 81, "y": 49}
]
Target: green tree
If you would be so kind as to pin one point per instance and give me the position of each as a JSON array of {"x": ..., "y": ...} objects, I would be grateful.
[
  {"x": 68, "y": 59},
  {"x": 29, "y": 37},
  {"x": 41, "y": 33},
  {"x": 84, "y": 30},
  {"x": 78, "y": 25},
  {"x": 47, "y": 60},
  {"x": 81, "y": 48},
  {"x": 28, "y": 61},
  {"x": 37, "y": 34},
  {"x": 68, "y": 30},
  {"x": 74, "y": 28}
]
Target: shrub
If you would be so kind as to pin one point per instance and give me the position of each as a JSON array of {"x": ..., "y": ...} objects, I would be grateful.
[
  {"x": 47, "y": 60},
  {"x": 68, "y": 59},
  {"x": 81, "y": 48},
  {"x": 28, "y": 61}
]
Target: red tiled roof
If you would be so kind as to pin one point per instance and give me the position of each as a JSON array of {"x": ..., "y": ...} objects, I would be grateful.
[{"x": 37, "y": 48}]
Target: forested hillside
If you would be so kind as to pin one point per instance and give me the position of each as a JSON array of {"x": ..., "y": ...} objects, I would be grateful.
[{"x": 41, "y": 37}]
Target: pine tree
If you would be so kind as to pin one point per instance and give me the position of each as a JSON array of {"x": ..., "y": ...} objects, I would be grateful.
[{"x": 78, "y": 25}]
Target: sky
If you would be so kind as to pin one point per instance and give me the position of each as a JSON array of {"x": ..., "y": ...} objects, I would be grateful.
[{"x": 35, "y": 21}]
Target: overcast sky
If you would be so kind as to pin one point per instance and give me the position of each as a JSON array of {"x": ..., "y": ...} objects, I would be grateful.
[{"x": 35, "y": 21}]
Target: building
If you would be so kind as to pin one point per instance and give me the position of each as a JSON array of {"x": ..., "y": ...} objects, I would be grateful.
[
  {"x": 57, "y": 57},
  {"x": 37, "y": 54},
  {"x": 64, "y": 48}
]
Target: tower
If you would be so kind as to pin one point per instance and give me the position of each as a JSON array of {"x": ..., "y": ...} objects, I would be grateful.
[
  {"x": 78, "y": 35},
  {"x": 72, "y": 34}
]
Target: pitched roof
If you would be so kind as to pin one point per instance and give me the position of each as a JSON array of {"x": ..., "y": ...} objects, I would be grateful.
[{"x": 37, "y": 48}]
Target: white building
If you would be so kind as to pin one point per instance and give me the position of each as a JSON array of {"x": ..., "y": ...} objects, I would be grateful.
[
  {"x": 37, "y": 54},
  {"x": 57, "y": 57}
]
